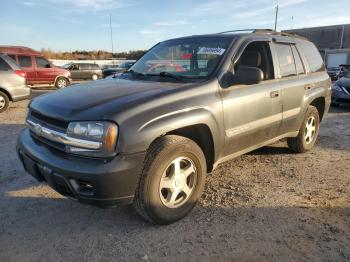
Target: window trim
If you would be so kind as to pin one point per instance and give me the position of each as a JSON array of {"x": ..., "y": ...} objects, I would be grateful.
[{"x": 301, "y": 60}]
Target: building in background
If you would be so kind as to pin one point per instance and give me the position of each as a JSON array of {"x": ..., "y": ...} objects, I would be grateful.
[{"x": 333, "y": 42}]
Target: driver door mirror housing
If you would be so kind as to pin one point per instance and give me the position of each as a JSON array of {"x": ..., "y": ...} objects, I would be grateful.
[{"x": 244, "y": 75}]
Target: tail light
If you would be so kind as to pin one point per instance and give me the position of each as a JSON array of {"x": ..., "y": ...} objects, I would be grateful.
[{"x": 21, "y": 73}]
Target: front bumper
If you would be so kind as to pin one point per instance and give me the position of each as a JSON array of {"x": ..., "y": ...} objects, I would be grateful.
[{"x": 91, "y": 181}]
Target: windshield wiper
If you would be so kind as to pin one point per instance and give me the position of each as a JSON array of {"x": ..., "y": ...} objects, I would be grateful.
[
  {"x": 169, "y": 75},
  {"x": 134, "y": 73}
]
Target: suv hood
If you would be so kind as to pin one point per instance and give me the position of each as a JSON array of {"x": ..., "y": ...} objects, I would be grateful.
[{"x": 100, "y": 99}]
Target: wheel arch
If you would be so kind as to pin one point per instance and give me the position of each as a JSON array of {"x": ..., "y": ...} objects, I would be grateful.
[
  {"x": 6, "y": 93},
  {"x": 320, "y": 104}
]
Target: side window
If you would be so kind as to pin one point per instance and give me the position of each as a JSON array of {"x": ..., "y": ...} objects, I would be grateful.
[
  {"x": 42, "y": 62},
  {"x": 3, "y": 65},
  {"x": 258, "y": 54},
  {"x": 84, "y": 67},
  {"x": 286, "y": 60},
  {"x": 24, "y": 61},
  {"x": 13, "y": 57},
  {"x": 298, "y": 63},
  {"x": 313, "y": 56}
]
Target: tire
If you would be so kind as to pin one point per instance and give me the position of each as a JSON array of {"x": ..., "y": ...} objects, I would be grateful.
[
  {"x": 61, "y": 82},
  {"x": 4, "y": 102},
  {"x": 94, "y": 77},
  {"x": 155, "y": 201},
  {"x": 306, "y": 140}
]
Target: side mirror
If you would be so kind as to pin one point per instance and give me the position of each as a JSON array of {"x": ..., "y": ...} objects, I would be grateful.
[
  {"x": 244, "y": 75},
  {"x": 48, "y": 66}
]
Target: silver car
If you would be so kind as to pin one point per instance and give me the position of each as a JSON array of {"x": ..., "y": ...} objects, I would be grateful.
[{"x": 12, "y": 83}]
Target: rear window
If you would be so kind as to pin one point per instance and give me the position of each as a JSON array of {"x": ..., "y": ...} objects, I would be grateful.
[
  {"x": 4, "y": 66},
  {"x": 286, "y": 60},
  {"x": 313, "y": 56},
  {"x": 95, "y": 66},
  {"x": 24, "y": 61}
]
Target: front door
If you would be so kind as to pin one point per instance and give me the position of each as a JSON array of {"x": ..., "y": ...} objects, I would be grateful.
[
  {"x": 45, "y": 72},
  {"x": 252, "y": 113}
]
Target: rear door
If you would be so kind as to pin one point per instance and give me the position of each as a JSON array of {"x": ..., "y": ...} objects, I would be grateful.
[
  {"x": 27, "y": 64},
  {"x": 45, "y": 73},
  {"x": 293, "y": 80}
]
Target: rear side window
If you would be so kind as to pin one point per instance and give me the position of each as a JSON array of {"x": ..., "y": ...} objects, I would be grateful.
[
  {"x": 24, "y": 61},
  {"x": 286, "y": 60},
  {"x": 298, "y": 63},
  {"x": 95, "y": 67},
  {"x": 84, "y": 67},
  {"x": 42, "y": 62},
  {"x": 13, "y": 57},
  {"x": 4, "y": 66},
  {"x": 313, "y": 57}
]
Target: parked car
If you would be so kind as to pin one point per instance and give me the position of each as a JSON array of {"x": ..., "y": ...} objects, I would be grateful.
[
  {"x": 37, "y": 68},
  {"x": 333, "y": 72},
  {"x": 341, "y": 91},
  {"x": 12, "y": 83},
  {"x": 108, "y": 71},
  {"x": 81, "y": 71},
  {"x": 151, "y": 139},
  {"x": 343, "y": 71}
]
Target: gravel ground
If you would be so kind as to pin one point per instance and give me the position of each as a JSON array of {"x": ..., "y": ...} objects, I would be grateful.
[{"x": 268, "y": 205}]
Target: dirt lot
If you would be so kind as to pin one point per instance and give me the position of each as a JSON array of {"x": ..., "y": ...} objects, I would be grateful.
[{"x": 269, "y": 205}]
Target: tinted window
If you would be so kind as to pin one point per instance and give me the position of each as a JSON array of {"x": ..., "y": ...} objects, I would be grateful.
[
  {"x": 4, "y": 66},
  {"x": 13, "y": 57},
  {"x": 286, "y": 60},
  {"x": 84, "y": 66},
  {"x": 312, "y": 55},
  {"x": 298, "y": 63},
  {"x": 25, "y": 61},
  {"x": 41, "y": 62},
  {"x": 95, "y": 66}
]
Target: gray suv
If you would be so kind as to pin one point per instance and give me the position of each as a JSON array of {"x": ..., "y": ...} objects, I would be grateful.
[
  {"x": 12, "y": 83},
  {"x": 150, "y": 136},
  {"x": 80, "y": 71}
]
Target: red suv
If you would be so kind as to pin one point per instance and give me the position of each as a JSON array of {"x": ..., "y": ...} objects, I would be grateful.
[{"x": 38, "y": 69}]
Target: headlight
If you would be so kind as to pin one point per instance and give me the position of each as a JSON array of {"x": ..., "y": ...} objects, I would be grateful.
[
  {"x": 337, "y": 88},
  {"x": 104, "y": 133}
]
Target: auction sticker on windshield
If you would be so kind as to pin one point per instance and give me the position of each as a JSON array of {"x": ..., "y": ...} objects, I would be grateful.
[{"x": 211, "y": 51}]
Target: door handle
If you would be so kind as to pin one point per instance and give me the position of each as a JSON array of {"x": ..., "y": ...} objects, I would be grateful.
[{"x": 274, "y": 94}]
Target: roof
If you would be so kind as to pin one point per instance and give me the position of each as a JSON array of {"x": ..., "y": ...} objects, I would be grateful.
[{"x": 18, "y": 50}]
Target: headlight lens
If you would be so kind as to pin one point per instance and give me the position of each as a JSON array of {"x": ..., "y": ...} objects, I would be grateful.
[
  {"x": 104, "y": 132},
  {"x": 337, "y": 88}
]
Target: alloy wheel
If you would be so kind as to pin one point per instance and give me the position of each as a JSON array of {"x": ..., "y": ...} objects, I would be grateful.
[
  {"x": 178, "y": 182},
  {"x": 310, "y": 129}
]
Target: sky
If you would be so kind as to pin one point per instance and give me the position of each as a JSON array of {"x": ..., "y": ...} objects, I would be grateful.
[{"x": 68, "y": 25}]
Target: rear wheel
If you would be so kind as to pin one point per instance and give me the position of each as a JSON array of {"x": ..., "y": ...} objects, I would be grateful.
[
  {"x": 308, "y": 132},
  {"x": 94, "y": 77},
  {"x": 4, "y": 102},
  {"x": 172, "y": 180},
  {"x": 61, "y": 82}
]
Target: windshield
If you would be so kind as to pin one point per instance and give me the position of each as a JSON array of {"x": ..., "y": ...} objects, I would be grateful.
[{"x": 184, "y": 58}]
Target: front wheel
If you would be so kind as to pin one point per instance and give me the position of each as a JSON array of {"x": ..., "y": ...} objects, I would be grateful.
[
  {"x": 308, "y": 132},
  {"x": 172, "y": 180}
]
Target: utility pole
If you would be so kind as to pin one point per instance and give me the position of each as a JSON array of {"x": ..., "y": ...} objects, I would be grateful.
[
  {"x": 292, "y": 22},
  {"x": 276, "y": 17},
  {"x": 110, "y": 24}
]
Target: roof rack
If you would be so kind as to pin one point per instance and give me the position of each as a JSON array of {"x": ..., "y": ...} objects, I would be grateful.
[{"x": 262, "y": 31}]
